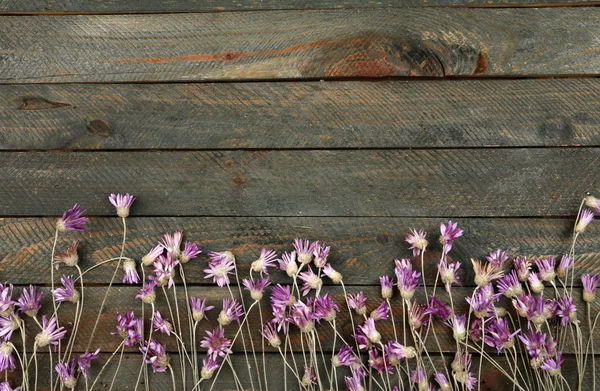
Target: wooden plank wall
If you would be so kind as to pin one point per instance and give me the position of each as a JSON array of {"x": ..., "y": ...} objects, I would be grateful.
[{"x": 345, "y": 121}]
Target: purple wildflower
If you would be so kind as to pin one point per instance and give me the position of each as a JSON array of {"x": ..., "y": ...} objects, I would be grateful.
[
  {"x": 408, "y": 281},
  {"x": 380, "y": 362},
  {"x": 566, "y": 310},
  {"x": 256, "y": 287},
  {"x": 199, "y": 308},
  {"x": 67, "y": 292},
  {"x": 6, "y": 301},
  {"x": 497, "y": 258},
  {"x": 153, "y": 255},
  {"x": 449, "y": 233},
  {"x": 417, "y": 241},
  {"x": 552, "y": 365},
  {"x": 129, "y": 328},
  {"x": 369, "y": 330},
  {"x": 209, "y": 366},
  {"x": 267, "y": 259},
  {"x": 5, "y": 386},
  {"x": 269, "y": 332},
  {"x": 85, "y": 361},
  {"x": 122, "y": 203},
  {"x": 232, "y": 310},
  {"x": 335, "y": 276},
  {"x": 163, "y": 270},
  {"x": 156, "y": 355},
  {"x": 72, "y": 220},
  {"x": 458, "y": 324},
  {"x": 321, "y": 252},
  {"x": 281, "y": 297},
  {"x": 566, "y": 263},
  {"x": 190, "y": 251},
  {"x": 309, "y": 378},
  {"x": 585, "y": 219},
  {"x": 387, "y": 287},
  {"x": 540, "y": 310},
  {"x": 509, "y": 285},
  {"x": 448, "y": 272},
  {"x": 346, "y": 357},
  {"x": 382, "y": 312},
  {"x": 419, "y": 377},
  {"x": 216, "y": 343},
  {"x": 310, "y": 280},
  {"x": 523, "y": 268},
  {"x": 219, "y": 268},
  {"x": 358, "y": 302},
  {"x": 304, "y": 250},
  {"x": 354, "y": 382},
  {"x": 417, "y": 315},
  {"x": 66, "y": 373},
  {"x": 302, "y": 316},
  {"x": 161, "y": 324},
  {"x": 535, "y": 283},
  {"x": 131, "y": 275},
  {"x": 8, "y": 324},
  {"x": 325, "y": 308},
  {"x": 590, "y": 283},
  {"x": 499, "y": 335},
  {"x": 7, "y": 360},
  {"x": 50, "y": 334},
  {"x": 546, "y": 269},
  {"x": 172, "y": 243},
  {"x": 397, "y": 352},
  {"x": 485, "y": 273},
  {"x": 68, "y": 257},
  {"x": 288, "y": 264},
  {"x": 437, "y": 308},
  {"x": 480, "y": 304},
  {"x": 147, "y": 293},
  {"x": 440, "y": 379},
  {"x": 30, "y": 301}
]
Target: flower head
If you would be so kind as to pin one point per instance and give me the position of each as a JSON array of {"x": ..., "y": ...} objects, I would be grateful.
[
  {"x": 161, "y": 324},
  {"x": 387, "y": 287},
  {"x": 172, "y": 243},
  {"x": 485, "y": 273},
  {"x": 50, "y": 334},
  {"x": 153, "y": 255},
  {"x": 256, "y": 287},
  {"x": 552, "y": 365},
  {"x": 565, "y": 264},
  {"x": 67, "y": 292},
  {"x": 129, "y": 328},
  {"x": 309, "y": 378},
  {"x": 346, "y": 357},
  {"x": 419, "y": 377},
  {"x": 448, "y": 272},
  {"x": 304, "y": 250},
  {"x": 156, "y": 355},
  {"x": 522, "y": 267},
  {"x": 209, "y": 366},
  {"x": 269, "y": 331},
  {"x": 216, "y": 343},
  {"x": 417, "y": 315},
  {"x": 199, "y": 308},
  {"x": 281, "y": 297},
  {"x": 302, "y": 316},
  {"x": 499, "y": 335},
  {"x": 325, "y": 307},
  {"x": 219, "y": 268},
  {"x": 509, "y": 285},
  {"x": 266, "y": 260},
  {"x": 288, "y": 264},
  {"x": 335, "y": 276},
  {"x": 566, "y": 310},
  {"x": 585, "y": 219},
  {"x": 6, "y": 302},
  {"x": 358, "y": 302},
  {"x": 232, "y": 310},
  {"x": 8, "y": 324},
  {"x": 68, "y": 257},
  {"x": 417, "y": 241},
  {"x": 408, "y": 281},
  {"x": 5, "y": 386},
  {"x": 382, "y": 312},
  {"x": 122, "y": 203},
  {"x": 379, "y": 361},
  {"x": 354, "y": 382},
  {"x": 66, "y": 373},
  {"x": 449, "y": 233},
  {"x": 310, "y": 280},
  {"x": 535, "y": 283},
  {"x": 321, "y": 252},
  {"x": 481, "y": 305},
  {"x": 190, "y": 251},
  {"x": 458, "y": 324},
  {"x": 163, "y": 270},
  {"x": 72, "y": 220},
  {"x": 546, "y": 269},
  {"x": 590, "y": 283},
  {"x": 147, "y": 293},
  {"x": 437, "y": 308},
  {"x": 7, "y": 360},
  {"x": 497, "y": 258},
  {"x": 131, "y": 275},
  {"x": 30, "y": 301},
  {"x": 85, "y": 361}
]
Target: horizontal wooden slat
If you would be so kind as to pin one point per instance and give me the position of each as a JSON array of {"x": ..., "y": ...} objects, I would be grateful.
[
  {"x": 463, "y": 182},
  {"x": 362, "y": 248},
  {"x": 121, "y": 299},
  {"x": 130, "y": 366},
  {"x": 302, "y": 115},
  {"x": 141, "y": 6},
  {"x": 299, "y": 45}
]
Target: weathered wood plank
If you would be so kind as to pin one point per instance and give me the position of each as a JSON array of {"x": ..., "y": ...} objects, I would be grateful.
[
  {"x": 299, "y": 45},
  {"x": 302, "y": 115},
  {"x": 492, "y": 379},
  {"x": 121, "y": 299},
  {"x": 462, "y": 182},
  {"x": 362, "y": 248},
  {"x": 141, "y": 6}
]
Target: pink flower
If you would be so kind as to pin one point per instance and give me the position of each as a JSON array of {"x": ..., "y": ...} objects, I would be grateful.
[
  {"x": 50, "y": 334},
  {"x": 122, "y": 203},
  {"x": 417, "y": 241},
  {"x": 72, "y": 220},
  {"x": 216, "y": 343}
]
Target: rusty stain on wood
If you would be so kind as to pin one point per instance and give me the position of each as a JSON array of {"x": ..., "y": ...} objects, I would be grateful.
[{"x": 36, "y": 103}]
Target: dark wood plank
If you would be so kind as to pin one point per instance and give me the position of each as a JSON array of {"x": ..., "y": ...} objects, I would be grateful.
[
  {"x": 363, "y": 249},
  {"x": 121, "y": 299},
  {"x": 299, "y": 45},
  {"x": 141, "y": 6},
  {"x": 492, "y": 379},
  {"x": 462, "y": 182},
  {"x": 302, "y": 115}
]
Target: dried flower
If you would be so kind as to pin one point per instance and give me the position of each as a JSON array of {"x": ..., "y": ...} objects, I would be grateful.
[
  {"x": 484, "y": 274},
  {"x": 216, "y": 343},
  {"x": 590, "y": 283},
  {"x": 585, "y": 219},
  {"x": 68, "y": 257},
  {"x": 30, "y": 301},
  {"x": 153, "y": 255},
  {"x": 566, "y": 263},
  {"x": 522, "y": 267},
  {"x": 6, "y": 302},
  {"x": 281, "y": 297},
  {"x": 417, "y": 241},
  {"x": 50, "y": 334},
  {"x": 190, "y": 251},
  {"x": 379, "y": 361},
  {"x": 209, "y": 366},
  {"x": 335, "y": 276},
  {"x": 546, "y": 269},
  {"x": 346, "y": 357},
  {"x": 566, "y": 310},
  {"x": 161, "y": 324},
  {"x": 72, "y": 220},
  {"x": 354, "y": 383},
  {"x": 499, "y": 335},
  {"x": 232, "y": 310},
  {"x": 358, "y": 302},
  {"x": 419, "y": 377},
  {"x": 310, "y": 281},
  {"x": 309, "y": 377},
  {"x": 408, "y": 281},
  {"x": 163, "y": 270},
  {"x": 172, "y": 243},
  {"x": 156, "y": 355},
  {"x": 147, "y": 293},
  {"x": 552, "y": 365},
  {"x": 199, "y": 308},
  {"x": 302, "y": 316},
  {"x": 131, "y": 275},
  {"x": 325, "y": 307},
  {"x": 535, "y": 283},
  {"x": 267, "y": 259},
  {"x": 458, "y": 324},
  {"x": 304, "y": 250},
  {"x": 437, "y": 308},
  {"x": 449, "y": 233},
  {"x": 509, "y": 285},
  {"x": 387, "y": 287},
  {"x": 448, "y": 272},
  {"x": 321, "y": 252},
  {"x": 256, "y": 287},
  {"x": 219, "y": 268},
  {"x": 417, "y": 316},
  {"x": 8, "y": 324},
  {"x": 382, "y": 312},
  {"x": 7, "y": 360},
  {"x": 66, "y": 372},
  {"x": 122, "y": 203},
  {"x": 269, "y": 331},
  {"x": 67, "y": 292},
  {"x": 288, "y": 264},
  {"x": 85, "y": 361}
]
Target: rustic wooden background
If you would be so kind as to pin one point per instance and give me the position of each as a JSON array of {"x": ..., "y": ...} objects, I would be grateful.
[{"x": 247, "y": 123}]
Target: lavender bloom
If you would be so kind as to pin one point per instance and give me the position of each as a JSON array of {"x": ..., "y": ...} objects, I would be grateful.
[
  {"x": 209, "y": 366},
  {"x": 335, "y": 276},
  {"x": 523, "y": 267},
  {"x": 5, "y": 386},
  {"x": 281, "y": 297},
  {"x": 552, "y": 365},
  {"x": 354, "y": 382},
  {"x": 199, "y": 308},
  {"x": 131, "y": 275},
  {"x": 153, "y": 255},
  {"x": 256, "y": 288},
  {"x": 232, "y": 310},
  {"x": 7, "y": 361},
  {"x": 72, "y": 220},
  {"x": 304, "y": 250},
  {"x": 417, "y": 316},
  {"x": 546, "y": 269},
  {"x": 358, "y": 302},
  {"x": 534, "y": 342},
  {"x": 440, "y": 379},
  {"x": 346, "y": 357},
  {"x": 565, "y": 264},
  {"x": 380, "y": 362},
  {"x": 590, "y": 283},
  {"x": 540, "y": 310},
  {"x": 309, "y": 377},
  {"x": 156, "y": 355},
  {"x": 397, "y": 352},
  {"x": 387, "y": 287},
  {"x": 302, "y": 316},
  {"x": 499, "y": 335},
  {"x": 122, "y": 203},
  {"x": 458, "y": 324},
  {"x": 461, "y": 366},
  {"x": 419, "y": 377},
  {"x": 448, "y": 273},
  {"x": 449, "y": 233},
  {"x": 593, "y": 202},
  {"x": 497, "y": 258},
  {"x": 408, "y": 281},
  {"x": 8, "y": 324},
  {"x": 147, "y": 293},
  {"x": 66, "y": 372},
  {"x": 30, "y": 301},
  {"x": 480, "y": 305},
  {"x": 68, "y": 257},
  {"x": 288, "y": 264},
  {"x": 190, "y": 251},
  {"x": 67, "y": 292},
  {"x": 172, "y": 243},
  {"x": 50, "y": 334},
  {"x": 216, "y": 343},
  {"x": 85, "y": 361},
  {"x": 269, "y": 332},
  {"x": 267, "y": 259},
  {"x": 437, "y": 308},
  {"x": 417, "y": 241},
  {"x": 402, "y": 265},
  {"x": 129, "y": 328},
  {"x": 321, "y": 252},
  {"x": 163, "y": 270},
  {"x": 535, "y": 283},
  {"x": 325, "y": 308},
  {"x": 6, "y": 301},
  {"x": 566, "y": 310},
  {"x": 509, "y": 285},
  {"x": 161, "y": 324},
  {"x": 219, "y": 268},
  {"x": 484, "y": 274},
  {"x": 585, "y": 219},
  {"x": 310, "y": 281},
  {"x": 382, "y": 312}
]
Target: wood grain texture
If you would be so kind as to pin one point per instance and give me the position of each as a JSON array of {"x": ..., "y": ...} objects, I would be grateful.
[
  {"x": 363, "y": 249},
  {"x": 302, "y": 115},
  {"x": 451, "y": 183},
  {"x": 148, "y": 6},
  {"x": 299, "y": 45},
  {"x": 121, "y": 299},
  {"x": 492, "y": 378}
]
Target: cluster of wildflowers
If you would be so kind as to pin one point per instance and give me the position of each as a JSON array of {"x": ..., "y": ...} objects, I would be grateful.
[{"x": 523, "y": 309}]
